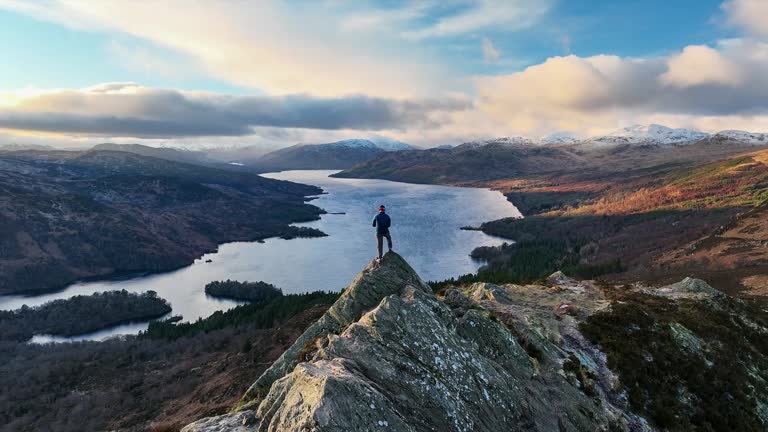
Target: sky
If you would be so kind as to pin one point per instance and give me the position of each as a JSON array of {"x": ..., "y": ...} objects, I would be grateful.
[{"x": 428, "y": 72}]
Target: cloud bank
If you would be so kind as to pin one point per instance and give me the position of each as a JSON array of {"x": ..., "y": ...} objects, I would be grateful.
[
  {"x": 331, "y": 69},
  {"x": 585, "y": 92},
  {"x": 130, "y": 110}
]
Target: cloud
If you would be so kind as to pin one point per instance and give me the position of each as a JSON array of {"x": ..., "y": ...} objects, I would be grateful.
[
  {"x": 748, "y": 14},
  {"x": 387, "y": 19},
  {"x": 130, "y": 110},
  {"x": 701, "y": 65},
  {"x": 584, "y": 93},
  {"x": 268, "y": 45},
  {"x": 490, "y": 53},
  {"x": 508, "y": 15}
]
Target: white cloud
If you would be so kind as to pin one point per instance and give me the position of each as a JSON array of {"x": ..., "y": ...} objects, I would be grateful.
[
  {"x": 596, "y": 94},
  {"x": 384, "y": 19},
  {"x": 752, "y": 15},
  {"x": 490, "y": 53},
  {"x": 152, "y": 62},
  {"x": 266, "y": 44},
  {"x": 508, "y": 15},
  {"x": 700, "y": 65}
]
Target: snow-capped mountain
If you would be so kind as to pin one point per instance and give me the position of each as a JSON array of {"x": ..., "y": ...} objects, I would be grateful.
[
  {"x": 353, "y": 143},
  {"x": 646, "y": 135},
  {"x": 653, "y": 134},
  {"x": 389, "y": 144},
  {"x": 510, "y": 140},
  {"x": 334, "y": 155},
  {"x": 381, "y": 143}
]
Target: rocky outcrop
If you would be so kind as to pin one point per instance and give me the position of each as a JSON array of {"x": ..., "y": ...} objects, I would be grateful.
[
  {"x": 392, "y": 275},
  {"x": 390, "y": 355}
]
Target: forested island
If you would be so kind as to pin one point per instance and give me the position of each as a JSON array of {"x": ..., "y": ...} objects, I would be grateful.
[
  {"x": 81, "y": 314},
  {"x": 261, "y": 315},
  {"x": 249, "y": 291}
]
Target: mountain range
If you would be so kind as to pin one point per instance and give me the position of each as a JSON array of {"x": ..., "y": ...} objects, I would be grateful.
[
  {"x": 336, "y": 155},
  {"x": 345, "y": 154},
  {"x": 652, "y": 134},
  {"x": 634, "y": 148}
]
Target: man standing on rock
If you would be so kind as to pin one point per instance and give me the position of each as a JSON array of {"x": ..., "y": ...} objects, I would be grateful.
[{"x": 382, "y": 222}]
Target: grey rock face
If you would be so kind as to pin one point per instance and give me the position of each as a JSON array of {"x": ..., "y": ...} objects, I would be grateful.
[
  {"x": 379, "y": 279},
  {"x": 687, "y": 288},
  {"x": 389, "y": 355},
  {"x": 237, "y": 422}
]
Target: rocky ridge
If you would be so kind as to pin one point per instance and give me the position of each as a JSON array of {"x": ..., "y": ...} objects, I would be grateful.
[{"x": 390, "y": 355}]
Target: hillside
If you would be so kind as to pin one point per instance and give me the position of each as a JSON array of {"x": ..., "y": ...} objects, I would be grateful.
[
  {"x": 661, "y": 224},
  {"x": 147, "y": 383},
  {"x": 468, "y": 162},
  {"x": 172, "y": 154},
  {"x": 336, "y": 155},
  {"x": 599, "y": 209},
  {"x": 502, "y": 159},
  {"x": 561, "y": 355},
  {"x": 66, "y": 216}
]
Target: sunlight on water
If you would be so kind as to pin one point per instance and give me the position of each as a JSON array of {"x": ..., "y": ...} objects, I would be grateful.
[{"x": 425, "y": 229}]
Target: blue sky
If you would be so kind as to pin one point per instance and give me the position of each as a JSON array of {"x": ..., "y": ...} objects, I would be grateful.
[
  {"x": 426, "y": 71},
  {"x": 52, "y": 55}
]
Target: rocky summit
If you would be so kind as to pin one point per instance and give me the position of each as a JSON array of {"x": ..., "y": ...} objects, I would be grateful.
[{"x": 390, "y": 355}]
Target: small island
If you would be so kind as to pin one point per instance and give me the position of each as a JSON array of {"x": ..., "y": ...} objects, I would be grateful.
[
  {"x": 81, "y": 314},
  {"x": 249, "y": 291}
]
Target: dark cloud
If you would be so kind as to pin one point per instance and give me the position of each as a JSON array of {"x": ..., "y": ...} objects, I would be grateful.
[{"x": 116, "y": 109}]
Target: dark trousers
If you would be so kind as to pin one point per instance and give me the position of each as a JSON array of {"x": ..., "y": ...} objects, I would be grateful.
[{"x": 380, "y": 242}]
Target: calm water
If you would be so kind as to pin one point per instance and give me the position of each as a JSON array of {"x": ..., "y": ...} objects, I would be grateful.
[{"x": 425, "y": 230}]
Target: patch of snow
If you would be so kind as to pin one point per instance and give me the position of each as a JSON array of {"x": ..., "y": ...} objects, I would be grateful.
[
  {"x": 354, "y": 143},
  {"x": 379, "y": 142},
  {"x": 389, "y": 144},
  {"x": 653, "y": 134},
  {"x": 558, "y": 138}
]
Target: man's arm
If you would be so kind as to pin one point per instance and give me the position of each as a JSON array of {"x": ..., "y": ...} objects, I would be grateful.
[{"x": 374, "y": 221}]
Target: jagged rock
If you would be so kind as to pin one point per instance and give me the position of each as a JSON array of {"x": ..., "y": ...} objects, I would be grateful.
[
  {"x": 237, "y": 422},
  {"x": 411, "y": 365},
  {"x": 687, "y": 288},
  {"x": 389, "y": 355},
  {"x": 379, "y": 279},
  {"x": 487, "y": 291},
  {"x": 686, "y": 339}
]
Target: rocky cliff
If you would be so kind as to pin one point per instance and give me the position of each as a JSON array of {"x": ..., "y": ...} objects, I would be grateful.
[{"x": 391, "y": 355}]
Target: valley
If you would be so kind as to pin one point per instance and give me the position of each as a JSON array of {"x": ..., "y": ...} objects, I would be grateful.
[
  {"x": 194, "y": 198},
  {"x": 629, "y": 209},
  {"x": 67, "y": 216},
  {"x": 628, "y": 221}
]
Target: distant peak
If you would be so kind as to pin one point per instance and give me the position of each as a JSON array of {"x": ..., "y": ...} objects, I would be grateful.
[
  {"x": 381, "y": 143},
  {"x": 654, "y": 134}
]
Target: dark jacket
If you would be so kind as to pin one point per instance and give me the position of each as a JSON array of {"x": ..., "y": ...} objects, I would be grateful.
[{"x": 382, "y": 222}]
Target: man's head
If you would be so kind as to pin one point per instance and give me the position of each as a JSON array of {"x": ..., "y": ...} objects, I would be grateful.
[{"x": 382, "y": 209}]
